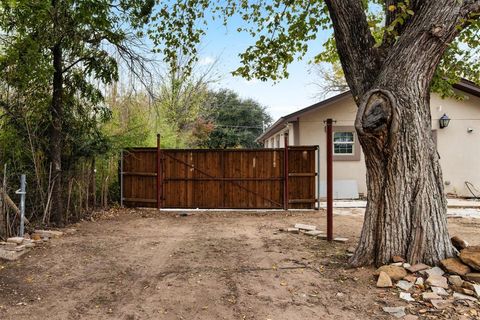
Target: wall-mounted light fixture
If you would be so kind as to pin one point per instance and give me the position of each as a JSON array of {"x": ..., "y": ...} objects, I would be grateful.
[{"x": 444, "y": 121}]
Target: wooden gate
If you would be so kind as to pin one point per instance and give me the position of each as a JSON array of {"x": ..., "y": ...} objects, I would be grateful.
[{"x": 220, "y": 179}]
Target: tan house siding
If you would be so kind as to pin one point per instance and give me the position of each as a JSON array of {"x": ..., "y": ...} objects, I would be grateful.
[
  {"x": 459, "y": 148},
  {"x": 458, "y": 144}
]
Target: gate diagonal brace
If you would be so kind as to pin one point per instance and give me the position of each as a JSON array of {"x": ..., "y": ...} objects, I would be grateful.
[{"x": 233, "y": 182}]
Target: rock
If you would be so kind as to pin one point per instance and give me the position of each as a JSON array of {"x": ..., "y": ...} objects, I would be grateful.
[
  {"x": 292, "y": 230},
  {"x": 397, "y": 312},
  {"x": 468, "y": 285},
  {"x": 398, "y": 259},
  {"x": 384, "y": 280},
  {"x": 313, "y": 233},
  {"x": 410, "y": 278},
  {"x": 397, "y": 264},
  {"x": 455, "y": 280},
  {"x": 406, "y": 296},
  {"x": 440, "y": 304},
  {"x": 468, "y": 292},
  {"x": 36, "y": 237},
  {"x": 49, "y": 233},
  {"x": 410, "y": 317},
  {"x": 305, "y": 227},
  {"x": 457, "y": 289},
  {"x": 459, "y": 296},
  {"x": 418, "y": 267},
  {"x": 406, "y": 265},
  {"x": 476, "y": 288},
  {"x": 427, "y": 296},
  {"x": 395, "y": 273},
  {"x": 475, "y": 277},
  {"x": 17, "y": 240},
  {"x": 439, "y": 291},
  {"x": 404, "y": 285},
  {"x": 419, "y": 281},
  {"x": 434, "y": 271},
  {"x": 455, "y": 266},
  {"x": 11, "y": 255},
  {"x": 459, "y": 243},
  {"x": 342, "y": 240},
  {"x": 437, "y": 281},
  {"x": 15, "y": 248},
  {"x": 351, "y": 249},
  {"x": 471, "y": 257}
]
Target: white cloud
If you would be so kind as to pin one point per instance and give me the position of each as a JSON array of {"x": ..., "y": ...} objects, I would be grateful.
[{"x": 205, "y": 61}]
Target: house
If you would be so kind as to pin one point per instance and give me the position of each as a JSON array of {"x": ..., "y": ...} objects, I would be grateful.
[{"x": 458, "y": 144}]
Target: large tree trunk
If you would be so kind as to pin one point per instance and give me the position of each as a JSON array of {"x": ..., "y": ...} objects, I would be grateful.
[
  {"x": 56, "y": 138},
  {"x": 406, "y": 211}
]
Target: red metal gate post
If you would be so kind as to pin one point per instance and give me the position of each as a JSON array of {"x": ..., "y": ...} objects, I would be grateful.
[
  {"x": 286, "y": 173},
  {"x": 159, "y": 175},
  {"x": 329, "y": 180}
]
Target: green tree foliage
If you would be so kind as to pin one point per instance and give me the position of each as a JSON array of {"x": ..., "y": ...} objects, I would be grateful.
[
  {"x": 234, "y": 122},
  {"x": 56, "y": 57},
  {"x": 283, "y": 31}
]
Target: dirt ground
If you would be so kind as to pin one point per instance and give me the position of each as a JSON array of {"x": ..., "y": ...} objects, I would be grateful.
[{"x": 142, "y": 264}]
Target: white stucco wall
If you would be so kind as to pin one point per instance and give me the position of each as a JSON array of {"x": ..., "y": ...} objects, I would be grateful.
[{"x": 459, "y": 149}]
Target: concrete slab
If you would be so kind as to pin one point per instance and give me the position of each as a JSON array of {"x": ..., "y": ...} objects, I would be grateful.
[{"x": 307, "y": 227}]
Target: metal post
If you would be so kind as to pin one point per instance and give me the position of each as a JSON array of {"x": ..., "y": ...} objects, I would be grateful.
[
  {"x": 318, "y": 177},
  {"x": 329, "y": 180},
  {"x": 285, "y": 183},
  {"x": 121, "y": 179},
  {"x": 22, "y": 193},
  {"x": 159, "y": 175}
]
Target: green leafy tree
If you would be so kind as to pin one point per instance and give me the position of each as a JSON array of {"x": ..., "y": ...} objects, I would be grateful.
[
  {"x": 64, "y": 48},
  {"x": 392, "y": 53},
  {"x": 182, "y": 95},
  {"x": 236, "y": 122}
]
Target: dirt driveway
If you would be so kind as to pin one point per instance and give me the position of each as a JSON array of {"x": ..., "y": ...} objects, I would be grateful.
[{"x": 145, "y": 265}]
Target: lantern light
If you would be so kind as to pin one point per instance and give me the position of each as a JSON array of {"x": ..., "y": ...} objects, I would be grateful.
[{"x": 444, "y": 121}]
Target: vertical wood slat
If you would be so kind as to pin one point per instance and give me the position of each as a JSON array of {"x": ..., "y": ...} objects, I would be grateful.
[{"x": 221, "y": 178}]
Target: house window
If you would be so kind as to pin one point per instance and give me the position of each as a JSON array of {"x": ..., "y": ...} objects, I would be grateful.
[{"x": 343, "y": 143}]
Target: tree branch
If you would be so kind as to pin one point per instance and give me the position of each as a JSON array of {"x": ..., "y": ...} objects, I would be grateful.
[
  {"x": 423, "y": 41},
  {"x": 355, "y": 44}
]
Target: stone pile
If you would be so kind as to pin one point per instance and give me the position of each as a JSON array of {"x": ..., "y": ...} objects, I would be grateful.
[
  {"x": 310, "y": 230},
  {"x": 435, "y": 289},
  {"x": 16, "y": 247}
]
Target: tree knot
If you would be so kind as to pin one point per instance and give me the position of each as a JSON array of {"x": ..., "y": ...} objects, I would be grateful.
[
  {"x": 438, "y": 31},
  {"x": 377, "y": 115}
]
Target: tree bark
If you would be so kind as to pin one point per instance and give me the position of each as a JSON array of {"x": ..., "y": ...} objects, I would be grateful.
[
  {"x": 406, "y": 211},
  {"x": 56, "y": 135},
  {"x": 406, "y": 208}
]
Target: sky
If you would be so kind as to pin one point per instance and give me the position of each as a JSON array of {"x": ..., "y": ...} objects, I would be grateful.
[{"x": 224, "y": 44}]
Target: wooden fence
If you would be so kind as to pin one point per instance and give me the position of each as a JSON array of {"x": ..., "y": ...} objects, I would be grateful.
[{"x": 221, "y": 179}]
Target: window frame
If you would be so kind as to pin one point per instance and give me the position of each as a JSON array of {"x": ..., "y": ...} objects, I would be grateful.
[
  {"x": 349, "y": 143},
  {"x": 356, "y": 155}
]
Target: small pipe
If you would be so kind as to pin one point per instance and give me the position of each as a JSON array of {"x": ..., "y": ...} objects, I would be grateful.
[{"x": 22, "y": 193}]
